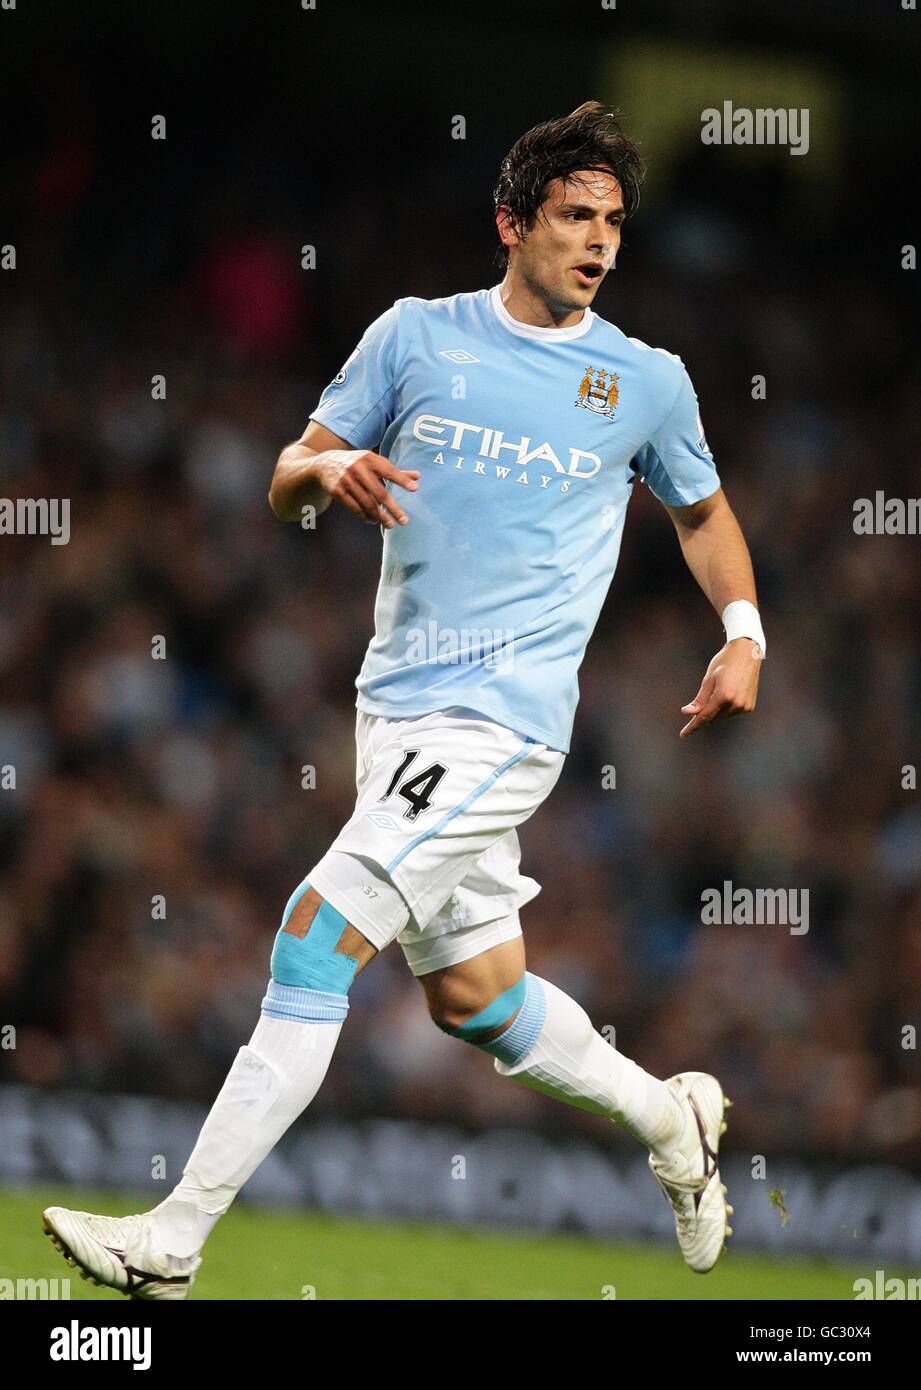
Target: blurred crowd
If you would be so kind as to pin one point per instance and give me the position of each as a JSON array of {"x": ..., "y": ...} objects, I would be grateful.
[{"x": 159, "y": 820}]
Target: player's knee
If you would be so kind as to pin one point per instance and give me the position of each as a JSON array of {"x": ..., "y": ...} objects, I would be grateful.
[
  {"x": 460, "y": 1007},
  {"x": 450, "y": 1000},
  {"x": 505, "y": 1026},
  {"x": 462, "y": 1019},
  {"x": 308, "y": 950}
]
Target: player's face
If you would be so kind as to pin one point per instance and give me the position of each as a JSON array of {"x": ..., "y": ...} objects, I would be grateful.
[{"x": 567, "y": 253}]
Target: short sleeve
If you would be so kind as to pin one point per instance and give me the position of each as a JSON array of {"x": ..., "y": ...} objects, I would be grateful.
[
  {"x": 676, "y": 463},
  {"x": 358, "y": 404}
]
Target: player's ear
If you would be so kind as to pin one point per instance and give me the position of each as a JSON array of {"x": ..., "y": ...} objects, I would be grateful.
[{"x": 509, "y": 233}]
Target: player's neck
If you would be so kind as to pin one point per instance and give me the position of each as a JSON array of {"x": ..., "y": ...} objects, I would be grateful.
[{"x": 525, "y": 306}]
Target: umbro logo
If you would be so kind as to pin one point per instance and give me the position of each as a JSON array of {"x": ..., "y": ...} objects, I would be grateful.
[{"x": 458, "y": 355}]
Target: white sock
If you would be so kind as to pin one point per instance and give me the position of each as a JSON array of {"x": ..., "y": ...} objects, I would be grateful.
[
  {"x": 570, "y": 1061},
  {"x": 272, "y": 1080}
]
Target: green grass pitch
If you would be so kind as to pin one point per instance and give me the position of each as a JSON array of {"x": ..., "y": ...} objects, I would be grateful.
[{"x": 259, "y": 1254}]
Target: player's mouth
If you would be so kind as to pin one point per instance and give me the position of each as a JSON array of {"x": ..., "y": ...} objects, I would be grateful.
[{"x": 589, "y": 272}]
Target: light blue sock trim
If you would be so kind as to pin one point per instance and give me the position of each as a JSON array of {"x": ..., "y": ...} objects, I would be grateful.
[
  {"x": 493, "y": 1016},
  {"x": 484, "y": 786},
  {"x": 516, "y": 1042},
  {"x": 304, "y": 1005}
]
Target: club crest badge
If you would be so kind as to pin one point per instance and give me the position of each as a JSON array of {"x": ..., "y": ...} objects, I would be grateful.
[{"x": 599, "y": 392}]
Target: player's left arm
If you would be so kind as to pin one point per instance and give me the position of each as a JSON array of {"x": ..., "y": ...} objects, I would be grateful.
[{"x": 715, "y": 551}]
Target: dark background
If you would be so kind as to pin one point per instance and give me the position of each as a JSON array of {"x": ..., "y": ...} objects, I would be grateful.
[{"x": 181, "y": 777}]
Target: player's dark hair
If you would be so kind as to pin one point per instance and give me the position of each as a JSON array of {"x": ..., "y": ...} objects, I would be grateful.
[{"x": 589, "y": 138}]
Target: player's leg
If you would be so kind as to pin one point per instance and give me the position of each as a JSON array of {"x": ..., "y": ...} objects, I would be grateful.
[
  {"x": 319, "y": 949},
  {"x": 680, "y": 1120},
  {"x": 544, "y": 1039},
  {"x": 316, "y": 956},
  {"x": 466, "y": 948}
]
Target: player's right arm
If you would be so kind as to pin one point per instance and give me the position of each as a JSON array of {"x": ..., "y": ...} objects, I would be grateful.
[{"x": 321, "y": 467}]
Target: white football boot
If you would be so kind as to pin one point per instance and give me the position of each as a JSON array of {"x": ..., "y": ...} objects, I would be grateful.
[
  {"x": 121, "y": 1252},
  {"x": 689, "y": 1175}
]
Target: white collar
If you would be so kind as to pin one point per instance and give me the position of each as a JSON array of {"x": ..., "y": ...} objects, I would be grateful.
[{"x": 531, "y": 330}]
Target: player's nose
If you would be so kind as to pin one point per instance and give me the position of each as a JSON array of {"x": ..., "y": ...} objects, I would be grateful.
[
  {"x": 602, "y": 250},
  {"x": 600, "y": 238}
]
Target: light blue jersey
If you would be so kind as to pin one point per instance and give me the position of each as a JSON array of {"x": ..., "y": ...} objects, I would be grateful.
[{"x": 528, "y": 441}]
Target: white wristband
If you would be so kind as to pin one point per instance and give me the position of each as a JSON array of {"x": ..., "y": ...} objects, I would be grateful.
[{"x": 741, "y": 619}]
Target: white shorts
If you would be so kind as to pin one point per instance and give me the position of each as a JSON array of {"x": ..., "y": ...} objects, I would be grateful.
[{"x": 430, "y": 855}]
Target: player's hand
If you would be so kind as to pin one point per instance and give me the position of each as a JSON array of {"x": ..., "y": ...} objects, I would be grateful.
[
  {"x": 730, "y": 686},
  {"x": 356, "y": 478}
]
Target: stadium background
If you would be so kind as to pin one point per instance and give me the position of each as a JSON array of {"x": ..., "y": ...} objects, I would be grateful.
[{"x": 182, "y": 777}]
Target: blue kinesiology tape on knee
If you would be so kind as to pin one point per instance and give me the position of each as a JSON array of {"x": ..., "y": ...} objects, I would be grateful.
[
  {"x": 493, "y": 1016},
  {"x": 312, "y": 961},
  {"x": 516, "y": 1042}
]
